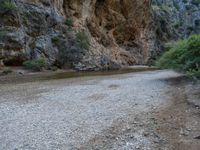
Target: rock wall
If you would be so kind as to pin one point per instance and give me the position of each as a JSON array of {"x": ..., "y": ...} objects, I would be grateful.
[
  {"x": 175, "y": 19},
  {"x": 120, "y": 32}
]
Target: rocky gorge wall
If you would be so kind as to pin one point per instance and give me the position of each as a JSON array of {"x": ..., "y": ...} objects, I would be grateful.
[
  {"x": 175, "y": 19},
  {"x": 92, "y": 34}
]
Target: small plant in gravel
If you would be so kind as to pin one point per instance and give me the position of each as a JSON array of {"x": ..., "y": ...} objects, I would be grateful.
[{"x": 7, "y": 71}]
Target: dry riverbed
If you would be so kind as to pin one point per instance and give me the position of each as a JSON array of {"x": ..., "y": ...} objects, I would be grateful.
[{"x": 152, "y": 110}]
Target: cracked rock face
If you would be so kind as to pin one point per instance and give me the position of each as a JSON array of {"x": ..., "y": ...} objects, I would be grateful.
[{"x": 120, "y": 32}]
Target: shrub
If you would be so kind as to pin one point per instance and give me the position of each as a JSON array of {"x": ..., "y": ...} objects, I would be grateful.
[
  {"x": 197, "y": 22},
  {"x": 184, "y": 56},
  {"x": 83, "y": 40},
  {"x": 55, "y": 40},
  {"x": 7, "y": 6},
  {"x": 36, "y": 65},
  {"x": 176, "y": 6},
  {"x": 195, "y": 2},
  {"x": 194, "y": 73},
  {"x": 69, "y": 56},
  {"x": 2, "y": 35},
  {"x": 69, "y": 22},
  {"x": 71, "y": 49},
  {"x": 7, "y": 71},
  {"x": 185, "y": 1}
]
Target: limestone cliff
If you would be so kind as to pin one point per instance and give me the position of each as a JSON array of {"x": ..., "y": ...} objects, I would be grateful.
[
  {"x": 91, "y": 34},
  {"x": 175, "y": 19}
]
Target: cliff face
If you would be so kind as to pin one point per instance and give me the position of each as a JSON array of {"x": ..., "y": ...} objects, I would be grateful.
[
  {"x": 91, "y": 34},
  {"x": 175, "y": 19}
]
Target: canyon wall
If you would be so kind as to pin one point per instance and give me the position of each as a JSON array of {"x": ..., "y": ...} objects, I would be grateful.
[
  {"x": 92, "y": 34},
  {"x": 175, "y": 19}
]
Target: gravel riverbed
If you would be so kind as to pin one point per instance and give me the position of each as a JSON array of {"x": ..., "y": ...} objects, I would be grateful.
[{"x": 102, "y": 112}]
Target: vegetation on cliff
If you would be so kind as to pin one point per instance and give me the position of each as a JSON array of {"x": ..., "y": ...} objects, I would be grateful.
[
  {"x": 36, "y": 65},
  {"x": 7, "y": 6},
  {"x": 184, "y": 55}
]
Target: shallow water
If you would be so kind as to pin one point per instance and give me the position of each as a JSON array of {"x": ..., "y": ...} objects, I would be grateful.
[
  {"x": 44, "y": 76},
  {"x": 75, "y": 74}
]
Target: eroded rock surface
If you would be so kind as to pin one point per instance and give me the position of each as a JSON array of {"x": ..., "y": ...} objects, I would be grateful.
[{"x": 120, "y": 32}]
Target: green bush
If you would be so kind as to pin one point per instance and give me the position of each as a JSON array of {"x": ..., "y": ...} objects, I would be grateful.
[
  {"x": 69, "y": 22},
  {"x": 68, "y": 56},
  {"x": 194, "y": 73},
  {"x": 183, "y": 56},
  {"x": 55, "y": 40},
  {"x": 2, "y": 35},
  {"x": 7, "y": 6},
  {"x": 83, "y": 40},
  {"x": 185, "y": 1},
  {"x": 36, "y": 65},
  {"x": 195, "y": 2}
]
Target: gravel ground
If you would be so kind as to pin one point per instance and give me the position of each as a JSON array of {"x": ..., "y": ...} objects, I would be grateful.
[{"x": 109, "y": 112}]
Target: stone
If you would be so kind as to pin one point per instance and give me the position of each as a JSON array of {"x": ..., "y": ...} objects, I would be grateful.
[{"x": 198, "y": 137}]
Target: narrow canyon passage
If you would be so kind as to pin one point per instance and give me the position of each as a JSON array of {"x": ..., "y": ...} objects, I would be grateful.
[{"x": 127, "y": 111}]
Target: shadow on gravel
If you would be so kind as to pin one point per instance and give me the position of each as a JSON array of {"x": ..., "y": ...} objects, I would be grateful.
[{"x": 173, "y": 81}]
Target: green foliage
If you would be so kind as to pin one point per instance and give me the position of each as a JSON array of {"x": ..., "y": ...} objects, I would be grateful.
[
  {"x": 194, "y": 73},
  {"x": 195, "y": 2},
  {"x": 65, "y": 56},
  {"x": 36, "y": 65},
  {"x": 71, "y": 49},
  {"x": 83, "y": 40},
  {"x": 185, "y": 1},
  {"x": 184, "y": 56},
  {"x": 197, "y": 23},
  {"x": 178, "y": 24},
  {"x": 55, "y": 40},
  {"x": 69, "y": 22},
  {"x": 69, "y": 56},
  {"x": 176, "y": 5},
  {"x": 2, "y": 34},
  {"x": 168, "y": 45},
  {"x": 7, "y": 6}
]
